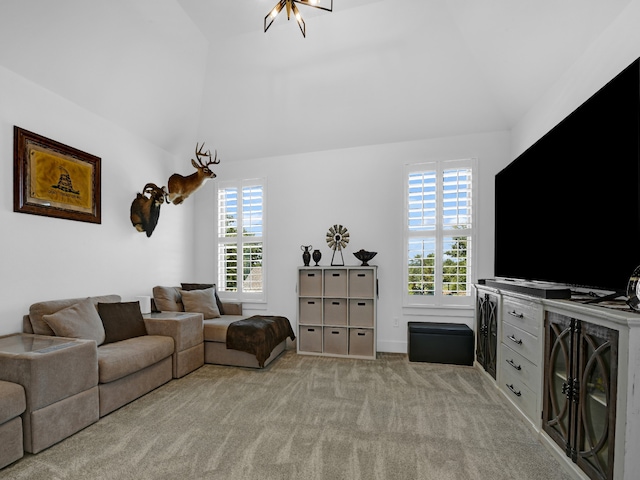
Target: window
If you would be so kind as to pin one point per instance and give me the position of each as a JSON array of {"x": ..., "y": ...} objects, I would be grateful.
[
  {"x": 439, "y": 233},
  {"x": 241, "y": 233}
]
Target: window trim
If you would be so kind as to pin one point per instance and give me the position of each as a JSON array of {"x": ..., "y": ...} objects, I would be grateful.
[
  {"x": 438, "y": 300},
  {"x": 239, "y": 184}
]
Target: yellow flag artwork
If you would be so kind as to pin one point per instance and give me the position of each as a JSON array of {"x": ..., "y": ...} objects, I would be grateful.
[{"x": 60, "y": 180}]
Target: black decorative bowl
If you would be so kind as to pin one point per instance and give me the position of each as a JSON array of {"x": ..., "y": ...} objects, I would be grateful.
[{"x": 364, "y": 256}]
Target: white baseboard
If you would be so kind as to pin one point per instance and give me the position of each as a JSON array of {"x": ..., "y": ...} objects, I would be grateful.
[{"x": 391, "y": 346}]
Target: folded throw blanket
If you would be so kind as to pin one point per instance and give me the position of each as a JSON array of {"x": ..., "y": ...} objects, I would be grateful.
[{"x": 259, "y": 335}]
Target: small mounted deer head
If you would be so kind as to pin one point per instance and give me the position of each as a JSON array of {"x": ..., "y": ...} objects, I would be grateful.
[
  {"x": 179, "y": 187},
  {"x": 145, "y": 210}
]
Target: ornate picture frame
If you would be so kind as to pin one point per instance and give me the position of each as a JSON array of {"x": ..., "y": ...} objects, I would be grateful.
[{"x": 54, "y": 180}]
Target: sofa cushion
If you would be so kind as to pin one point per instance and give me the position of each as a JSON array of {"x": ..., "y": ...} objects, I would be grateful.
[
  {"x": 12, "y": 401},
  {"x": 121, "y": 320},
  {"x": 119, "y": 359},
  {"x": 37, "y": 310},
  {"x": 80, "y": 320},
  {"x": 167, "y": 299},
  {"x": 215, "y": 330},
  {"x": 204, "y": 286},
  {"x": 200, "y": 301}
]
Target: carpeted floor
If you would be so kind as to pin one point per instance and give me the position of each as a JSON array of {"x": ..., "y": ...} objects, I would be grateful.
[{"x": 307, "y": 418}]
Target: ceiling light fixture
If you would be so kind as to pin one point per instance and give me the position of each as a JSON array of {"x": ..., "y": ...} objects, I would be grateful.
[{"x": 291, "y": 7}]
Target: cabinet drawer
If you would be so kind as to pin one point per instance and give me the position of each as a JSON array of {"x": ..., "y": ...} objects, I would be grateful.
[
  {"x": 521, "y": 368},
  {"x": 335, "y": 283},
  {"x": 522, "y": 342},
  {"x": 335, "y": 311},
  {"x": 335, "y": 340},
  {"x": 310, "y": 311},
  {"x": 361, "y": 283},
  {"x": 310, "y": 339},
  {"x": 361, "y": 313},
  {"x": 310, "y": 283},
  {"x": 523, "y": 314},
  {"x": 361, "y": 342},
  {"x": 519, "y": 394}
]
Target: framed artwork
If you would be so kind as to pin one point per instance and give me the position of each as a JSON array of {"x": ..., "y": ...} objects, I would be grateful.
[{"x": 53, "y": 179}]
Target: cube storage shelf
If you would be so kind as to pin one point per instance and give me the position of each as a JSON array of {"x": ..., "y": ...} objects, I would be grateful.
[{"x": 337, "y": 311}]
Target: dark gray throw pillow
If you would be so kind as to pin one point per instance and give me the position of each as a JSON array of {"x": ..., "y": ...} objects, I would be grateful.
[
  {"x": 204, "y": 286},
  {"x": 121, "y": 321}
]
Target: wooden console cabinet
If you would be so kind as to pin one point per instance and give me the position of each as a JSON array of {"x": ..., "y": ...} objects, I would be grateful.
[
  {"x": 572, "y": 370},
  {"x": 337, "y": 311}
]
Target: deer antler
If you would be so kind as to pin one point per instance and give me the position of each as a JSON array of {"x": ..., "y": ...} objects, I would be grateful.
[{"x": 200, "y": 153}]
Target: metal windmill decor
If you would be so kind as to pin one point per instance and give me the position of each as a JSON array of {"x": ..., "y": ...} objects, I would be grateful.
[{"x": 337, "y": 239}]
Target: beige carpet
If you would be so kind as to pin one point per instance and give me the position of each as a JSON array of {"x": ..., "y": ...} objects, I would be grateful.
[{"x": 305, "y": 418}]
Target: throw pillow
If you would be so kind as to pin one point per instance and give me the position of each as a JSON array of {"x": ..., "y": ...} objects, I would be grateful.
[
  {"x": 80, "y": 320},
  {"x": 121, "y": 321},
  {"x": 204, "y": 286},
  {"x": 167, "y": 299},
  {"x": 202, "y": 301}
]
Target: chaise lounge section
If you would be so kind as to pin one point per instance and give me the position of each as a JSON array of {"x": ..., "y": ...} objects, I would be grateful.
[{"x": 217, "y": 319}]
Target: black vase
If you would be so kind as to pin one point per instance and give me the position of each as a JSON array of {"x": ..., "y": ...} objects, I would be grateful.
[
  {"x": 317, "y": 256},
  {"x": 306, "y": 256}
]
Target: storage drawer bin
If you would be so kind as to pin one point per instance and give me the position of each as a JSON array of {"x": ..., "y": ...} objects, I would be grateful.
[
  {"x": 335, "y": 311},
  {"x": 335, "y": 340},
  {"x": 440, "y": 343},
  {"x": 361, "y": 313},
  {"x": 361, "y": 283},
  {"x": 361, "y": 342},
  {"x": 310, "y": 339},
  {"x": 310, "y": 283},
  {"x": 310, "y": 311},
  {"x": 335, "y": 283}
]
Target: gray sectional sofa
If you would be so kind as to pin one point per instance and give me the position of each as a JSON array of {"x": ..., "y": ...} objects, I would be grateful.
[
  {"x": 12, "y": 404},
  {"x": 80, "y": 359}
]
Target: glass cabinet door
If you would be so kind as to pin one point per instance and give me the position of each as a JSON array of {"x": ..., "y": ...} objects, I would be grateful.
[
  {"x": 598, "y": 353},
  {"x": 580, "y": 386},
  {"x": 558, "y": 381},
  {"x": 492, "y": 336}
]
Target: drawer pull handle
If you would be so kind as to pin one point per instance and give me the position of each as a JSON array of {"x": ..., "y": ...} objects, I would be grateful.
[
  {"x": 311, "y": 274},
  {"x": 515, "y": 340},
  {"x": 361, "y": 334},
  {"x": 311, "y": 329},
  {"x": 517, "y": 315},
  {"x": 513, "y": 364},
  {"x": 361, "y": 275},
  {"x": 514, "y": 391},
  {"x": 335, "y": 303},
  {"x": 361, "y": 304},
  {"x": 335, "y": 274},
  {"x": 311, "y": 303},
  {"x": 333, "y": 332}
]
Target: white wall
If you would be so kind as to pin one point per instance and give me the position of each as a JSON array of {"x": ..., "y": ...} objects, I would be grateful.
[
  {"x": 615, "y": 49},
  {"x": 362, "y": 189},
  {"x": 44, "y": 258}
]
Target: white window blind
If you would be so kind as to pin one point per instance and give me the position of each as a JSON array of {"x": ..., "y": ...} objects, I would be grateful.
[
  {"x": 439, "y": 233},
  {"x": 240, "y": 239}
]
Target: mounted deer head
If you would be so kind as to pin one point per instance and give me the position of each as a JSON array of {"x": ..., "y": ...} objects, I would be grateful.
[
  {"x": 179, "y": 187},
  {"x": 145, "y": 210}
]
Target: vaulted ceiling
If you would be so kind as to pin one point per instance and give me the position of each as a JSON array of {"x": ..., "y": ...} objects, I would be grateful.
[{"x": 372, "y": 71}]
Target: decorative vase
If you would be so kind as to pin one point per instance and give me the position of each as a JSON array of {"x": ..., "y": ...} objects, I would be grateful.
[
  {"x": 317, "y": 256},
  {"x": 306, "y": 256}
]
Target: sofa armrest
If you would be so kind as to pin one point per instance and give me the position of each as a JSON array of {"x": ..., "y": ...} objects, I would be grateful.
[
  {"x": 232, "y": 308},
  {"x": 184, "y": 328}
]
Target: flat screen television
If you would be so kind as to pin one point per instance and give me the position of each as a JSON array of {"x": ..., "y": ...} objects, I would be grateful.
[{"x": 567, "y": 210}]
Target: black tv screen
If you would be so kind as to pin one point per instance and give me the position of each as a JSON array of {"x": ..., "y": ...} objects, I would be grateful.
[{"x": 568, "y": 208}]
